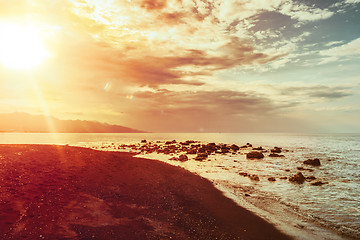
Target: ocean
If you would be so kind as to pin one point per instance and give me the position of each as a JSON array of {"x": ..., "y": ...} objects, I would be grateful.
[{"x": 334, "y": 205}]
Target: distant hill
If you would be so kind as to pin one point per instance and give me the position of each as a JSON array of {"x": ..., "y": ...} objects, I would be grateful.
[{"x": 24, "y": 122}]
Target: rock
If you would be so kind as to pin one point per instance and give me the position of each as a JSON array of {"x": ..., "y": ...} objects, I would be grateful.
[
  {"x": 247, "y": 195},
  {"x": 174, "y": 159},
  {"x": 298, "y": 178},
  {"x": 318, "y": 183},
  {"x": 276, "y": 150},
  {"x": 287, "y": 170},
  {"x": 201, "y": 156},
  {"x": 258, "y": 148},
  {"x": 272, "y": 179},
  {"x": 243, "y": 174},
  {"x": 192, "y": 151},
  {"x": 183, "y": 158},
  {"x": 143, "y": 141},
  {"x": 255, "y": 155},
  {"x": 254, "y": 177},
  {"x": 310, "y": 178},
  {"x": 188, "y": 142},
  {"x": 312, "y": 162},
  {"x": 275, "y": 155},
  {"x": 224, "y": 149},
  {"x": 234, "y": 147},
  {"x": 283, "y": 178},
  {"x": 249, "y": 144},
  {"x": 170, "y": 142},
  {"x": 300, "y": 168}
]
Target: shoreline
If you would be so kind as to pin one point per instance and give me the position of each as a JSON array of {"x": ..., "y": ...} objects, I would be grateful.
[
  {"x": 52, "y": 191},
  {"x": 281, "y": 215},
  {"x": 300, "y": 226}
]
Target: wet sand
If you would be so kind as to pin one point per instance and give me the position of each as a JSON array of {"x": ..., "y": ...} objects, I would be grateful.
[{"x": 61, "y": 192}]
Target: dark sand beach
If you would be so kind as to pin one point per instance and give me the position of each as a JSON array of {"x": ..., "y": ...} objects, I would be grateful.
[{"x": 61, "y": 192}]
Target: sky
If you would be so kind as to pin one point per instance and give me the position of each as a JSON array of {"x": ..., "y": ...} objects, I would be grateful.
[{"x": 185, "y": 65}]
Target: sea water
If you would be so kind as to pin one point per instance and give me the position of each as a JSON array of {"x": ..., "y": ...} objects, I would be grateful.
[{"x": 335, "y": 204}]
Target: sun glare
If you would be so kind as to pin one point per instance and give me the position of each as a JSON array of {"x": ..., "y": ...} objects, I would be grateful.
[{"x": 21, "y": 47}]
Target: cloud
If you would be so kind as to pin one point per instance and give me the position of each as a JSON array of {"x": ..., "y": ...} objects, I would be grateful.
[
  {"x": 210, "y": 110},
  {"x": 304, "y": 13},
  {"x": 332, "y": 43},
  {"x": 352, "y": 1},
  {"x": 318, "y": 92},
  {"x": 348, "y": 49}
]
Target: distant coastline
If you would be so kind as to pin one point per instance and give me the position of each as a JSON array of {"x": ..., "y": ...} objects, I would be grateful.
[{"x": 27, "y": 123}]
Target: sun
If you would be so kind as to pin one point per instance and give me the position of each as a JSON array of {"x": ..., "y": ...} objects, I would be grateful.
[{"x": 21, "y": 47}]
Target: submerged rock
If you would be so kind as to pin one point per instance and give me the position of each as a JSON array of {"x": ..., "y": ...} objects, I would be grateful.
[
  {"x": 255, "y": 155},
  {"x": 243, "y": 174},
  {"x": 313, "y": 162},
  {"x": 254, "y": 177},
  {"x": 298, "y": 178},
  {"x": 275, "y": 155},
  {"x": 272, "y": 179},
  {"x": 318, "y": 183}
]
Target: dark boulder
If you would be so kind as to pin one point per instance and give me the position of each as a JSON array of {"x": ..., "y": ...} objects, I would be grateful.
[
  {"x": 234, "y": 147},
  {"x": 183, "y": 158},
  {"x": 258, "y": 148},
  {"x": 298, "y": 178},
  {"x": 312, "y": 162},
  {"x": 255, "y": 155}
]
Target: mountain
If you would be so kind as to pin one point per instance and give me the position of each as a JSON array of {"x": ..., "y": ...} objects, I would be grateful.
[{"x": 24, "y": 122}]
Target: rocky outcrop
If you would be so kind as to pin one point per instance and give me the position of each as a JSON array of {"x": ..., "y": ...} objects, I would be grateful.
[{"x": 255, "y": 155}]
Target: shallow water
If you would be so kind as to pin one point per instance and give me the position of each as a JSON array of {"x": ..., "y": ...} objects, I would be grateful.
[{"x": 336, "y": 204}]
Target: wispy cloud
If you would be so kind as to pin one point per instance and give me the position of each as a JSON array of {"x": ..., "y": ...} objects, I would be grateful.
[{"x": 348, "y": 49}]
